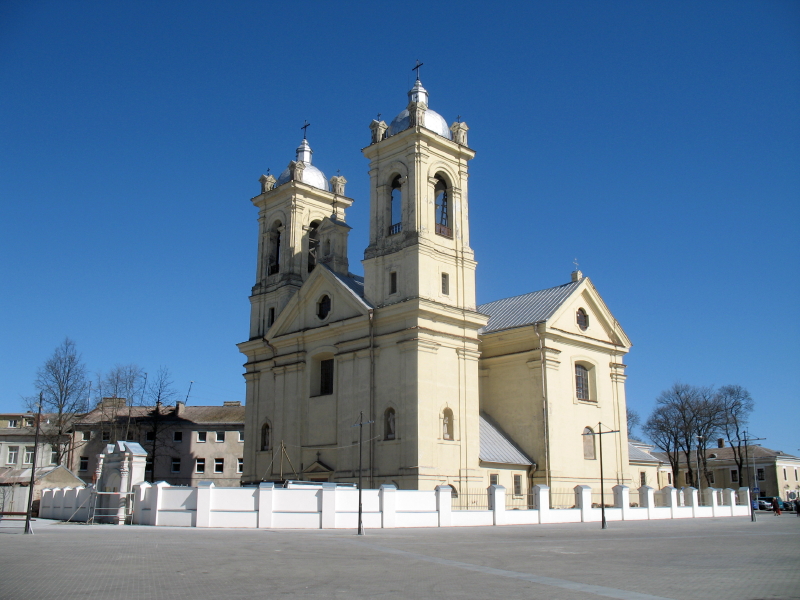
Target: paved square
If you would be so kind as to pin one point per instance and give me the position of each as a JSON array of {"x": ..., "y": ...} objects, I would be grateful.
[{"x": 728, "y": 558}]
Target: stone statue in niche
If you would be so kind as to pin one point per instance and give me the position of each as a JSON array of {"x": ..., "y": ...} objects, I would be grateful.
[
  {"x": 446, "y": 427},
  {"x": 390, "y": 423}
]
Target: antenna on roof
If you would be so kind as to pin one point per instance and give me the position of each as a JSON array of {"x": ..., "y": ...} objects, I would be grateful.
[{"x": 187, "y": 393}]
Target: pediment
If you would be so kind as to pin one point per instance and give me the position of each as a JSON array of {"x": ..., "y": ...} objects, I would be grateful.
[
  {"x": 602, "y": 325},
  {"x": 301, "y": 312},
  {"x": 317, "y": 467}
]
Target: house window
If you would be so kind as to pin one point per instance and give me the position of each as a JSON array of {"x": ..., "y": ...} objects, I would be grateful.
[
  {"x": 642, "y": 478},
  {"x": 324, "y": 307},
  {"x": 588, "y": 443},
  {"x": 518, "y": 485},
  {"x": 219, "y": 465},
  {"x": 28, "y": 458},
  {"x": 150, "y": 436},
  {"x": 389, "y": 424},
  {"x": 271, "y": 317},
  {"x": 396, "y": 207},
  {"x": 326, "y": 377},
  {"x": 734, "y": 475},
  {"x": 581, "y": 382},
  {"x": 241, "y": 435},
  {"x": 13, "y": 423},
  {"x": 447, "y": 424},
  {"x": 784, "y": 474},
  {"x": 176, "y": 465},
  {"x": 393, "y": 282},
  {"x": 200, "y": 465},
  {"x": 84, "y": 465},
  {"x": 240, "y": 465},
  {"x": 53, "y": 456},
  {"x": 13, "y": 454},
  {"x": 86, "y": 435},
  {"x": 28, "y": 422},
  {"x": 795, "y": 474},
  {"x": 445, "y": 284},
  {"x": 265, "y": 437},
  {"x": 201, "y": 437},
  {"x": 493, "y": 479},
  {"x": 669, "y": 478},
  {"x": 582, "y": 319},
  {"x": 177, "y": 436},
  {"x": 760, "y": 475},
  {"x": 220, "y": 436},
  {"x": 443, "y": 226},
  {"x": 106, "y": 437}
]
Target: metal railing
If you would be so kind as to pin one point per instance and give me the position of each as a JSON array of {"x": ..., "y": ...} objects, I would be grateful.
[
  {"x": 395, "y": 229},
  {"x": 604, "y": 498},
  {"x": 470, "y": 499},
  {"x": 635, "y": 499},
  {"x": 444, "y": 231},
  {"x": 562, "y": 498},
  {"x": 520, "y": 501}
]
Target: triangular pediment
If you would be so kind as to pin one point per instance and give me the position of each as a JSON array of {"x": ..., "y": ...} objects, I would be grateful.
[
  {"x": 317, "y": 467},
  {"x": 601, "y": 324},
  {"x": 301, "y": 312}
]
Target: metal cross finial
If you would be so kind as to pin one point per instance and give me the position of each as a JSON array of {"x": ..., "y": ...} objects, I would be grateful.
[
  {"x": 339, "y": 172},
  {"x": 458, "y": 118},
  {"x": 379, "y": 116},
  {"x": 575, "y": 262},
  {"x": 267, "y": 170},
  {"x": 416, "y": 68},
  {"x": 304, "y": 127}
]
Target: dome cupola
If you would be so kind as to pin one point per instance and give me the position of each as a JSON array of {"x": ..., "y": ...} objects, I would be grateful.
[
  {"x": 303, "y": 171},
  {"x": 430, "y": 118}
]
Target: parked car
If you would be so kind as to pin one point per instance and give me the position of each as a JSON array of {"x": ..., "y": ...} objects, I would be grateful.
[
  {"x": 768, "y": 500},
  {"x": 764, "y": 505}
]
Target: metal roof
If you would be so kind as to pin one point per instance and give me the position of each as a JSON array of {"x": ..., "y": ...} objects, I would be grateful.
[
  {"x": 638, "y": 455},
  {"x": 497, "y": 447},
  {"x": 354, "y": 283},
  {"x": 527, "y": 309}
]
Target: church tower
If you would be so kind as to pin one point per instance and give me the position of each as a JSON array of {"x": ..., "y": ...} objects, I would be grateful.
[
  {"x": 301, "y": 224},
  {"x": 419, "y": 220}
]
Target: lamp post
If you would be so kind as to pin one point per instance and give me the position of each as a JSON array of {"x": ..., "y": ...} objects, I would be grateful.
[
  {"x": 697, "y": 461},
  {"x": 601, "y": 433}
]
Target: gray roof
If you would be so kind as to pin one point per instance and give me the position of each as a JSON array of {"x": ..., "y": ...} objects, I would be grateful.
[
  {"x": 497, "y": 447},
  {"x": 354, "y": 283},
  {"x": 637, "y": 454},
  {"x": 526, "y": 309}
]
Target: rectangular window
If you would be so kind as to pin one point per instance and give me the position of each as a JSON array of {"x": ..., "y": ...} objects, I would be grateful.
[
  {"x": 760, "y": 475},
  {"x": 13, "y": 423},
  {"x": 200, "y": 465},
  {"x": 271, "y": 317},
  {"x": 642, "y": 478},
  {"x": 582, "y": 382},
  {"x": 784, "y": 474},
  {"x": 795, "y": 474},
  {"x": 106, "y": 436},
  {"x": 177, "y": 436},
  {"x": 326, "y": 377},
  {"x": 28, "y": 422},
  {"x": 734, "y": 475},
  {"x": 393, "y": 282},
  {"x": 711, "y": 477},
  {"x": 669, "y": 478},
  {"x": 219, "y": 465},
  {"x": 241, "y": 435},
  {"x": 220, "y": 436},
  {"x": 176, "y": 465},
  {"x": 201, "y": 436},
  {"x": 13, "y": 454},
  {"x": 445, "y": 284},
  {"x": 518, "y": 485},
  {"x": 84, "y": 466},
  {"x": 150, "y": 436},
  {"x": 240, "y": 466},
  {"x": 493, "y": 478},
  {"x": 28, "y": 459},
  {"x": 53, "y": 456},
  {"x": 86, "y": 435}
]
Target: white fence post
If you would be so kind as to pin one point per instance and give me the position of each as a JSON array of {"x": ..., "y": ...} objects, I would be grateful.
[
  {"x": 265, "y": 503},
  {"x": 388, "y": 499},
  {"x": 444, "y": 505},
  {"x": 157, "y": 500},
  {"x": 712, "y": 499},
  {"x": 690, "y": 498},
  {"x": 622, "y": 500},
  {"x": 497, "y": 496},
  {"x": 670, "y": 495},
  {"x": 328, "y": 506},
  {"x": 541, "y": 495},
  {"x": 647, "y": 499},
  {"x": 204, "y": 491},
  {"x": 583, "y": 498},
  {"x": 744, "y": 496},
  {"x": 139, "y": 495},
  {"x": 729, "y": 500}
]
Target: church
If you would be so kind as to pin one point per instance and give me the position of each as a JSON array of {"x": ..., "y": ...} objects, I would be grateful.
[{"x": 448, "y": 392}]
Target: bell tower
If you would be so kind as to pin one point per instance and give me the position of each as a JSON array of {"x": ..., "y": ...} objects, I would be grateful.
[
  {"x": 419, "y": 217},
  {"x": 300, "y": 224}
]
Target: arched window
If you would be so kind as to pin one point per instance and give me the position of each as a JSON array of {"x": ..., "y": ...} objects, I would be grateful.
[
  {"x": 396, "y": 207},
  {"x": 389, "y": 424},
  {"x": 313, "y": 245},
  {"x": 443, "y": 226},
  {"x": 588, "y": 443},
  {"x": 327, "y": 248},
  {"x": 582, "y": 382},
  {"x": 583, "y": 319},
  {"x": 265, "y": 437},
  {"x": 447, "y": 424},
  {"x": 324, "y": 307},
  {"x": 275, "y": 248}
]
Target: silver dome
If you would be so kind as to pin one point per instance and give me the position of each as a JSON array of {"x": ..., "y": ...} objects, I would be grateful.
[
  {"x": 432, "y": 120},
  {"x": 311, "y": 175}
]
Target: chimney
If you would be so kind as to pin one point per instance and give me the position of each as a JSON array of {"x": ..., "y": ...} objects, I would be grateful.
[
  {"x": 720, "y": 442},
  {"x": 577, "y": 275},
  {"x": 179, "y": 407},
  {"x": 231, "y": 403}
]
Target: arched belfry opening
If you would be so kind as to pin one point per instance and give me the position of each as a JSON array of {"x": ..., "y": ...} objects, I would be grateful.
[
  {"x": 313, "y": 245},
  {"x": 275, "y": 248},
  {"x": 443, "y": 207},
  {"x": 396, "y": 206}
]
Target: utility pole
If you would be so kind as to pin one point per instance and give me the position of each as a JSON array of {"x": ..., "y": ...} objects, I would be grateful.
[
  {"x": 360, "y": 426},
  {"x": 754, "y": 489},
  {"x": 33, "y": 468},
  {"x": 601, "y": 433}
]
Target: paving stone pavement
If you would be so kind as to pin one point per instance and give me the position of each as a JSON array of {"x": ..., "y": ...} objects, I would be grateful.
[{"x": 729, "y": 558}]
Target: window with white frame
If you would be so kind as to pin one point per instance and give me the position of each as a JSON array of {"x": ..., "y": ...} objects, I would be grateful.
[
  {"x": 240, "y": 465},
  {"x": 86, "y": 436},
  {"x": 28, "y": 422},
  {"x": 12, "y": 455},
  {"x": 642, "y": 478},
  {"x": 176, "y": 465},
  {"x": 220, "y": 436},
  {"x": 200, "y": 465},
  {"x": 84, "y": 464},
  {"x": 201, "y": 436},
  {"x": 28, "y": 458},
  {"x": 241, "y": 435},
  {"x": 445, "y": 284},
  {"x": 13, "y": 423},
  {"x": 582, "y": 387},
  {"x": 518, "y": 485},
  {"x": 493, "y": 479},
  {"x": 53, "y": 456},
  {"x": 219, "y": 465}
]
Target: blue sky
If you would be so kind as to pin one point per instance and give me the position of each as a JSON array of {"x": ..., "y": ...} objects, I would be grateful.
[{"x": 657, "y": 142}]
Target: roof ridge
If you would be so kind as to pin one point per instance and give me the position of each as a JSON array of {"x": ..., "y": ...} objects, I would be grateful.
[{"x": 529, "y": 293}]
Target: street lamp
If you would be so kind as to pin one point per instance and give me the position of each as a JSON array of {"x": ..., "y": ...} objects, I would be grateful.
[{"x": 697, "y": 460}]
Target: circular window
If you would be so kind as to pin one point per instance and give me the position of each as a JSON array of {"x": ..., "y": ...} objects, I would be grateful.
[
  {"x": 324, "y": 307},
  {"x": 583, "y": 319}
]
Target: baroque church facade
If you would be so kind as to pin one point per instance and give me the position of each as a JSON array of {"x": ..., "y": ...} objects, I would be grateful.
[{"x": 450, "y": 392}]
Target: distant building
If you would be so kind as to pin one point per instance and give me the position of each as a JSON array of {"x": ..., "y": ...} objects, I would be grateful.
[{"x": 185, "y": 444}]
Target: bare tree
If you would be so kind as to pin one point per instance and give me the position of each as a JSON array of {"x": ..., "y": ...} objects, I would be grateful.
[
  {"x": 160, "y": 392},
  {"x": 736, "y": 404},
  {"x": 661, "y": 427},
  {"x": 634, "y": 420},
  {"x": 62, "y": 383}
]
